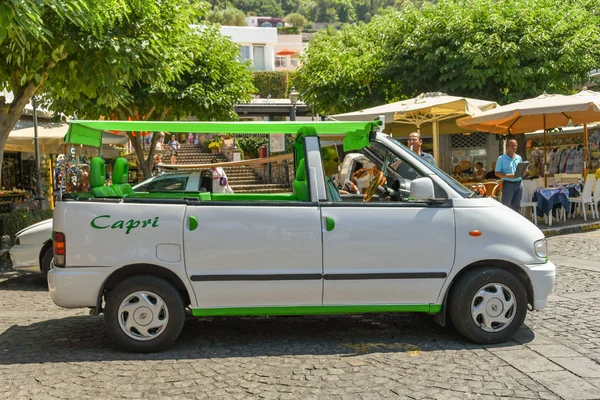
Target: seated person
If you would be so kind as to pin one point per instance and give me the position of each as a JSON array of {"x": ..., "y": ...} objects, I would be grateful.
[
  {"x": 491, "y": 174},
  {"x": 331, "y": 163},
  {"x": 479, "y": 172},
  {"x": 363, "y": 177}
]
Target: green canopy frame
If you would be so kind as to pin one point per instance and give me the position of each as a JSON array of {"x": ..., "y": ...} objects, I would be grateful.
[{"x": 356, "y": 132}]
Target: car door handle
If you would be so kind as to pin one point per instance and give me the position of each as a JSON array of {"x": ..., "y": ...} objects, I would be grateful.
[
  {"x": 193, "y": 221},
  {"x": 329, "y": 224}
]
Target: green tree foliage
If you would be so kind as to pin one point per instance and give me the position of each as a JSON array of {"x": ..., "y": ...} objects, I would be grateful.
[
  {"x": 276, "y": 84},
  {"x": 309, "y": 8},
  {"x": 215, "y": 81},
  {"x": 250, "y": 144},
  {"x": 40, "y": 41},
  {"x": 496, "y": 50},
  {"x": 340, "y": 70},
  {"x": 290, "y": 6},
  {"x": 261, "y": 8},
  {"x": 230, "y": 16},
  {"x": 296, "y": 19}
]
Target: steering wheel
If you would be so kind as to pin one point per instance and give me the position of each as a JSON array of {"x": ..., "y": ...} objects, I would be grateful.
[{"x": 375, "y": 183}]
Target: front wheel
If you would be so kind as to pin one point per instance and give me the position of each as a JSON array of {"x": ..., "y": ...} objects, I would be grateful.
[
  {"x": 488, "y": 305},
  {"x": 144, "y": 314}
]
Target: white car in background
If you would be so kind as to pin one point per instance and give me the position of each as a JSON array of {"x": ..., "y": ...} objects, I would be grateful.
[{"x": 32, "y": 250}]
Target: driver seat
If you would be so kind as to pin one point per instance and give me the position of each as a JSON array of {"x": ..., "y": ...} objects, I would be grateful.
[{"x": 300, "y": 184}]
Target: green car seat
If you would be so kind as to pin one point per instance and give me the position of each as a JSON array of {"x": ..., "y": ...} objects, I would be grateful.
[
  {"x": 120, "y": 178},
  {"x": 300, "y": 184},
  {"x": 98, "y": 177}
]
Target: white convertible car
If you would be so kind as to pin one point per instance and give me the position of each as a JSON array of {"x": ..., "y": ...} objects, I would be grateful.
[{"x": 32, "y": 251}]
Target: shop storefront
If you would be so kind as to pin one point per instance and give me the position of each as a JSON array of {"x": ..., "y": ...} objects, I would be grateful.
[
  {"x": 459, "y": 153},
  {"x": 564, "y": 151}
]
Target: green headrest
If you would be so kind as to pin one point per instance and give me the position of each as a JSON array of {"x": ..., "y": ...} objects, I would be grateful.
[
  {"x": 301, "y": 171},
  {"x": 300, "y": 185},
  {"x": 120, "y": 171},
  {"x": 97, "y": 172}
]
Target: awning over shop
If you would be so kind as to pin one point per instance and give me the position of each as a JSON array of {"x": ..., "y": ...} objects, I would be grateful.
[{"x": 50, "y": 137}]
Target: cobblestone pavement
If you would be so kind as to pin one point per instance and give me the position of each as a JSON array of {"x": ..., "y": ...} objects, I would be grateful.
[{"x": 48, "y": 352}]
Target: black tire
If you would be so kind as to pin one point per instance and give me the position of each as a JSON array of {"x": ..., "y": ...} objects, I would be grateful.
[
  {"x": 464, "y": 297},
  {"x": 173, "y": 308},
  {"x": 46, "y": 262}
]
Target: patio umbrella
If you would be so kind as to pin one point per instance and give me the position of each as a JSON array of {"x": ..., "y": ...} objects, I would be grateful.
[
  {"x": 546, "y": 111},
  {"x": 286, "y": 52},
  {"x": 427, "y": 109}
]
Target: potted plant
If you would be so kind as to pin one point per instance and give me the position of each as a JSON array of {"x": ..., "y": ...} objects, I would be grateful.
[{"x": 215, "y": 147}]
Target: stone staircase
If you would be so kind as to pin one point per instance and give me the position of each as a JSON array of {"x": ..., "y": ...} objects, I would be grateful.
[{"x": 242, "y": 179}]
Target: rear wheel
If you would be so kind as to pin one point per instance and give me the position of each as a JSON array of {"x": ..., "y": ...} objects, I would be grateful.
[
  {"x": 488, "y": 305},
  {"x": 46, "y": 262},
  {"x": 144, "y": 314}
]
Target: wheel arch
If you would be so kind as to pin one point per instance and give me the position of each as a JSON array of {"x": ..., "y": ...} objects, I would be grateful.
[
  {"x": 141, "y": 269},
  {"x": 45, "y": 246},
  {"x": 514, "y": 269}
]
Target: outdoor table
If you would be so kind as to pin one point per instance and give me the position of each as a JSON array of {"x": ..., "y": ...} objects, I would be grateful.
[{"x": 549, "y": 199}]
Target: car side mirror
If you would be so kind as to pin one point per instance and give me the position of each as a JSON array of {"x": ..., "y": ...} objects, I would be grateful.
[{"x": 421, "y": 189}]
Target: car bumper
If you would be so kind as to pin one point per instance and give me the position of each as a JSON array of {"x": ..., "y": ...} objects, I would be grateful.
[
  {"x": 542, "y": 278},
  {"x": 25, "y": 257},
  {"x": 76, "y": 287}
]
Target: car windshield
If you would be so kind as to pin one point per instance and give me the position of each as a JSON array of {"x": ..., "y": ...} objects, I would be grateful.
[
  {"x": 161, "y": 183},
  {"x": 457, "y": 186}
]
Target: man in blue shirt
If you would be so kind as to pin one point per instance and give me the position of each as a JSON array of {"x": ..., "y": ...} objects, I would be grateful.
[{"x": 505, "y": 170}]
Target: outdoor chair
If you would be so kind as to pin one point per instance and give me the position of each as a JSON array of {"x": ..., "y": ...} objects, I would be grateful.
[
  {"x": 565, "y": 179},
  {"x": 491, "y": 188},
  {"x": 585, "y": 199},
  {"x": 595, "y": 196},
  {"x": 539, "y": 182},
  {"x": 526, "y": 199}
]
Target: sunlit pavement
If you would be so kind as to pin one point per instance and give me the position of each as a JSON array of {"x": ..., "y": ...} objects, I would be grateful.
[{"x": 48, "y": 352}]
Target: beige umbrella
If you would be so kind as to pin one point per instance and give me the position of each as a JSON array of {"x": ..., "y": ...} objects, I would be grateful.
[
  {"x": 428, "y": 110},
  {"x": 50, "y": 135},
  {"x": 546, "y": 111}
]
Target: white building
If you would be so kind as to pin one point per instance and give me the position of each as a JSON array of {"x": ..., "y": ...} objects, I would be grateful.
[
  {"x": 287, "y": 52},
  {"x": 256, "y": 44}
]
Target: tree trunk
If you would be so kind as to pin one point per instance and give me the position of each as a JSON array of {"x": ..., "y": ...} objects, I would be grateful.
[
  {"x": 145, "y": 164},
  {"x": 10, "y": 114}
]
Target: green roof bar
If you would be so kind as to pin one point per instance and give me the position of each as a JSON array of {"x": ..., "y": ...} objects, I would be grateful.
[{"x": 90, "y": 132}]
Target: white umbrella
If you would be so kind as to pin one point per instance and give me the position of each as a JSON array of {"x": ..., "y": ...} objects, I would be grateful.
[
  {"x": 425, "y": 109},
  {"x": 546, "y": 111}
]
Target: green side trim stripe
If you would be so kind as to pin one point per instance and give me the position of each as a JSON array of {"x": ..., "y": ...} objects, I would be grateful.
[{"x": 316, "y": 310}]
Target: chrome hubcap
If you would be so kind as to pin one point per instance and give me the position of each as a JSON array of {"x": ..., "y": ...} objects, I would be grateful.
[
  {"x": 143, "y": 315},
  {"x": 493, "y": 307}
]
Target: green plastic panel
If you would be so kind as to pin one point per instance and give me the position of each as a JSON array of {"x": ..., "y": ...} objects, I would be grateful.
[
  {"x": 90, "y": 132},
  {"x": 316, "y": 310},
  {"x": 253, "y": 197}
]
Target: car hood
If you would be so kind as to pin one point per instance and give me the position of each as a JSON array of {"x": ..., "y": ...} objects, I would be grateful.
[{"x": 45, "y": 224}]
